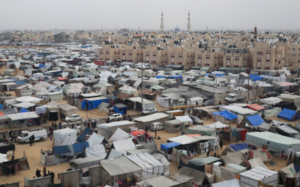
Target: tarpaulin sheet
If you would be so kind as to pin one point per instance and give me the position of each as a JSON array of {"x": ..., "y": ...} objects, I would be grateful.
[
  {"x": 255, "y": 77},
  {"x": 287, "y": 114},
  {"x": 41, "y": 66},
  {"x": 239, "y": 146},
  {"x": 61, "y": 150},
  {"x": 226, "y": 115},
  {"x": 23, "y": 110},
  {"x": 81, "y": 137},
  {"x": 92, "y": 104},
  {"x": 79, "y": 147},
  {"x": 255, "y": 120},
  {"x": 256, "y": 107},
  {"x": 169, "y": 145}
]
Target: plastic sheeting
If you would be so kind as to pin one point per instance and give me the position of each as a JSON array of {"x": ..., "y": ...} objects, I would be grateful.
[
  {"x": 119, "y": 134},
  {"x": 231, "y": 183},
  {"x": 287, "y": 114},
  {"x": 96, "y": 151},
  {"x": 95, "y": 139},
  {"x": 123, "y": 145},
  {"x": 41, "y": 110},
  {"x": 272, "y": 112},
  {"x": 81, "y": 137},
  {"x": 169, "y": 145},
  {"x": 226, "y": 115},
  {"x": 255, "y": 120},
  {"x": 148, "y": 163},
  {"x": 23, "y": 110},
  {"x": 92, "y": 104},
  {"x": 239, "y": 146}
]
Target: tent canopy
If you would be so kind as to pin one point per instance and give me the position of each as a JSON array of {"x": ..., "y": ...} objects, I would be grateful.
[
  {"x": 239, "y": 146},
  {"x": 226, "y": 115},
  {"x": 119, "y": 166},
  {"x": 169, "y": 145},
  {"x": 255, "y": 120},
  {"x": 287, "y": 114},
  {"x": 256, "y": 107}
]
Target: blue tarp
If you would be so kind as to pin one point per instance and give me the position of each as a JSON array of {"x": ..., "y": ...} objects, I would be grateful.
[
  {"x": 160, "y": 76},
  {"x": 226, "y": 115},
  {"x": 121, "y": 110},
  {"x": 239, "y": 146},
  {"x": 23, "y": 110},
  {"x": 287, "y": 114},
  {"x": 175, "y": 77},
  {"x": 255, "y": 120},
  {"x": 297, "y": 168},
  {"x": 1, "y": 106},
  {"x": 79, "y": 147},
  {"x": 206, "y": 74},
  {"x": 61, "y": 150},
  {"x": 95, "y": 104},
  {"x": 169, "y": 145},
  {"x": 20, "y": 82},
  {"x": 81, "y": 137},
  {"x": 255, "y": 77},
  {"x": 41, "y": 66},
  {"x": 220, "y": 75}
]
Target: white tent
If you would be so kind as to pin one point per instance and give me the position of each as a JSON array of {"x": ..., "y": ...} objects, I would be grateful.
[
  {"x": 271, "y": 100},
  {"x": 185, "y": 119},
  {"x": 124, "y": 145},
  {"x": 96, "y": 151},
  {"x": 3, "y": 158},
  {"x": 22, "y": 116},
  {"x": 217, "y": 125},
  {"x": 24, "y": 105},
  {"x": 60, "y": 135},
  {"x": 95, "y": 139},
  {"x": 230, "y": 183},
  {"x": 28, "y": 99},
  {"x": 148, "y": 163},
  {"x": 119, "y": 135}
]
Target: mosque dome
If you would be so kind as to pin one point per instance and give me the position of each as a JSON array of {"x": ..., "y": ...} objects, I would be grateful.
[{"x": 177, "y": 29}]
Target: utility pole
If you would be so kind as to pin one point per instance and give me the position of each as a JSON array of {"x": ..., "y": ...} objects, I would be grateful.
[{"x": 142, "y": 83}]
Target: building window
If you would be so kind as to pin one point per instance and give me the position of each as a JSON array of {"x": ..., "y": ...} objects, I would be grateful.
[
  {"x": 215, "y": 57},
  {"x": 154, "y": 53},
  {"x": 259, "y": 53},
  {"x": 130, "y": 53},
  {"x": 123, "y": 53},
  {"x": 258, "y": 63},
  {"x": 268, "y": 56},
  {"x": 228, "y": 61},
  {"x": 237, "y": 58},
  {"x": 179, "y": 63},
  {"x": 101, "y": 52},
  {"x": 237, "y": 52},
  {"x": 294, "y": 55},
  {"x": 180, "y": 55},
  {"x": 228, "y": 51},
  {"x": 147, "y": 54},
  {"x": 207, "y": 57},
  {"x": 107, "y": 52}
]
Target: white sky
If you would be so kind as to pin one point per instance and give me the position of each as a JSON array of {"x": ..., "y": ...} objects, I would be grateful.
[{"x": 111, "y": 14}]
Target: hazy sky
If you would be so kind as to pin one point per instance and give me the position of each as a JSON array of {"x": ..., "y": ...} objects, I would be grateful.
[{"x": 110, "y": 14}]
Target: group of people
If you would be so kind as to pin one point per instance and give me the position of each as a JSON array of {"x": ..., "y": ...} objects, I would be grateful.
[
  {"x": 54, "y": 126},
  {"x": 90, "y": 124},
  {"x": 45, "y": 174},
  {"x": 11, "y": 137}
]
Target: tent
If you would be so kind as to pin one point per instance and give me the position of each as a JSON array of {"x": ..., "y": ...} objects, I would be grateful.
[
  {"x": 167, "y": 147},
  {"x": 150, "y": 165},
  {"x": 266, "y": 176},
  {"x": 256, "y": 107},
  {"x": 119, "y": 169},
  {"x": 80, "y": 163},
  {"x": 97, "y": 151},
  {"x": 93, "y": 103},
  {"x": 161, "y": 181},
  {"x": 225, "y": 117},
  {"x": 172, "y": 126},
  {"x": 202, "y": 130},
  {"x": 23, "y": 110},
  {"x": 54, "y": 96},
  {"x": 277, "y": 145},
  {"x": 231, "y": 183},
  {"x": 271, "y": 100},
  {"x": 141, "y": 122},
  {"x": 238, "y": 146},
  {"x": 186, "y": 120},
  {"x": 82, "y": 136},
  {"x": 67, "y": 110},
  {"x": 288, "y": 114},
  {"x": 199, "y": 163},
  {"x": 123, "y": 145},
  {"x": 119, "y": 134},
  {"x": 108, "y": 129},
  {"x": 60, "y": 135},
  {"x": 185, "y": 174},
  {"x": 217, "y": 125},
  {"x": 95, "y": 139},
  {"x": 255, "y": 120}
]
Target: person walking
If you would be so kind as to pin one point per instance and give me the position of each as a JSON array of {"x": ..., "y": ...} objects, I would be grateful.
[
  {"x": 20, "y": 132},
  {"x": 60, "y": 126},
  {"x": 155, "y": 133},
  {"x": 72, "y": 125},
  {"x": 33, "y": 138},
  {"x": 30, "y": 140},
  {"x": 55, "y": 126},
  {"x": 221, "y": 144},
  {"x": 146, "y": 128}
]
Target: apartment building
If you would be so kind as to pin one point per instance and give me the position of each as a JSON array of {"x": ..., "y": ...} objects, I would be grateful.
[
  {"x": 212, "y": 57},
  {"x": 267, "y": 57},
  {"x": 293, "y": 55},
  {"x": 236, "y": 57}
]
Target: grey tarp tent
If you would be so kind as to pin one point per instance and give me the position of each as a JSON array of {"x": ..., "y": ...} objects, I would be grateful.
[{"x": 119, "y": 169}]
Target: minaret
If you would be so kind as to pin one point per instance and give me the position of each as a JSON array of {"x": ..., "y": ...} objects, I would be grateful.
[
  {"x": 162, "y": 22},
  {"x": 189, "y": 24}
]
